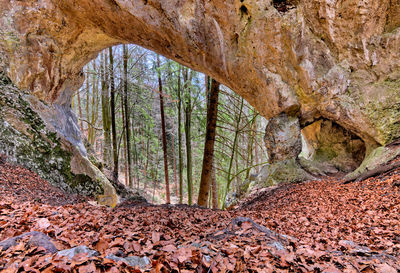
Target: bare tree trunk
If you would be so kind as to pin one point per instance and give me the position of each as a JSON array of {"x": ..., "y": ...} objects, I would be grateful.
[
  {"x": 93, "y": 113},
  {"x": 208, "y": 155},
  {"x": 173, "y": 154},
  {"x": 214, "y": 189},
  {"x": 135, "y": 151},
  {"x": 188, "y": 119},
  {"x": 113, "y": 125},
  {"x": 80, "y": 111},
  {"x": 256, "y": 145},
  {"x": 180, "y": 138},
  {"x": 147, "y": 159},
  {"x": 229, "y": 179},
  {"x": 105, "y": 107},
  {"x": 124, "y": 161},
  {"x": 164, "y": 139},
  {"x": 252, "y": 136},
  {"x": 87, "y": 106},
  {"x": 127, "y": 123}
]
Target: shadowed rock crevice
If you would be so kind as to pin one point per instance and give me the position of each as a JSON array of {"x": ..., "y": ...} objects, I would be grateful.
[
  {"x": 285, "y": 5},
  {"x": 329, "y": 144}
]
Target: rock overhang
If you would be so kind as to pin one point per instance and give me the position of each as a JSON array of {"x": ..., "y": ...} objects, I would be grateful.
[{"x": 312, "y": 59}]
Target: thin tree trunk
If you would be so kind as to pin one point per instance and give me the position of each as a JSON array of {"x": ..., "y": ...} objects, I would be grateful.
[
  {"x": 188, "y": 156},
  {"x": 188, "y": 111},
  {"x": 135, "y": 152},
  {"x": 228, "y": 182},
  {"x": 256, "y": 146},
  {"x": 175, "y": 175},
  {"x": 180, "y": 138},
  {"x": 124, "y": 155},
  {"x": 126, "y": 108},
  {"x": 113, "y": 125},
  {"x": 80, "y": 111},
  {"x": 208, "y": 155},
  {"x": 147, "y": 158},
  {"x": 214, "y": 189},
  {"x": 250, "y": 158},
  {"x": 105, "y": 107},
  {"x": 124, "y": 163},
  {"x": 94, "y": 111},
  {"x": 164, "y": 139},
  {"x": 87, "y": 106}
]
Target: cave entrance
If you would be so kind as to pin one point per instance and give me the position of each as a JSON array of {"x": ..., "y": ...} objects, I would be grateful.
[{"x": 328, "y": 144}]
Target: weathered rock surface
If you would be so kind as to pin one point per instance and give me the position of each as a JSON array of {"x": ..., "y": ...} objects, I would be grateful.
[
  {"x": 378, "y": 157},
  {"x": 330, "y": 144},
  {"x": 70, "y": 253},
  {"x": 288, "y": 170},
  {"x": 283, "y": 142},
  {"x": 36, "y": 238},
  {"x": 134, "y": 261},
  {"x": 28, "y": 137},
  {"x": 282, "y": 138},
  {"x": 337, "y": 60}
]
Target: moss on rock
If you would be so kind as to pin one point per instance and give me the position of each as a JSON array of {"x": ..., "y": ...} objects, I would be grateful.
[
  {"x": 378, "y": 157},
  {"x": 26, "y": 141},
  {"x": 285, "y": 171}
]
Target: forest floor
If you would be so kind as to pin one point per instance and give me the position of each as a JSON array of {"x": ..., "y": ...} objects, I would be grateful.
[{"x": 316, "y": 226}]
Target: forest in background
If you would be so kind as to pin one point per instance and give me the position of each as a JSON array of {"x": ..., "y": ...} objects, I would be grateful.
[{"x": 124, "y": 86}]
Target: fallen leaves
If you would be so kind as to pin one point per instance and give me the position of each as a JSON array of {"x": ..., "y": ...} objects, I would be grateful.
[
  {"x": 331, "y": 228},
  {"x": 42, "y": 223}
]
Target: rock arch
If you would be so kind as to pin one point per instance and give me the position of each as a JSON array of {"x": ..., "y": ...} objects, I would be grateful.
[{"x": 337, "y": 60}]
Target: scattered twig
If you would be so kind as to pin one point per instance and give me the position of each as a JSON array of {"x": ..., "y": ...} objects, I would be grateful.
[
  {"x": 358, "y": 270},
  {"x": 238, "y": 222}
]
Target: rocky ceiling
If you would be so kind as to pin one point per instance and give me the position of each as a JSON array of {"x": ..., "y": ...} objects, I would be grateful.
[{"x": 336, "y": 59}]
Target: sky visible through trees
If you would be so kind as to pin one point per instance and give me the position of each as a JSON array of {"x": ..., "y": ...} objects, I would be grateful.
[{"x": 138, "y": 85}]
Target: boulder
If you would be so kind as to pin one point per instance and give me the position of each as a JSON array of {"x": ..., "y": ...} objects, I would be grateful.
[
  {"x": 282, "y": 138},
  {"x": 36, "y": 238},
  {"x": 283, "y": 142},
  {"x": 134, "y": 261},
  {"x": 285, "y": 171},
  {"x": 70, "y": 253}
]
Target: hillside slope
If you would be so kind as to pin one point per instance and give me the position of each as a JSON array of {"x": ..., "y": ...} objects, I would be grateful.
[{"x": 330, "y": 227}]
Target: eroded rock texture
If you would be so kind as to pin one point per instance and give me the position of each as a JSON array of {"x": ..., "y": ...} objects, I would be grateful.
[
  {"x": 283, "y": 143},
  {"x": 337, "y": 60},
  {"x": 331, "y": 144},
  {"x": 282, "y": 138},
  {"x": 29, "y": 139}
]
